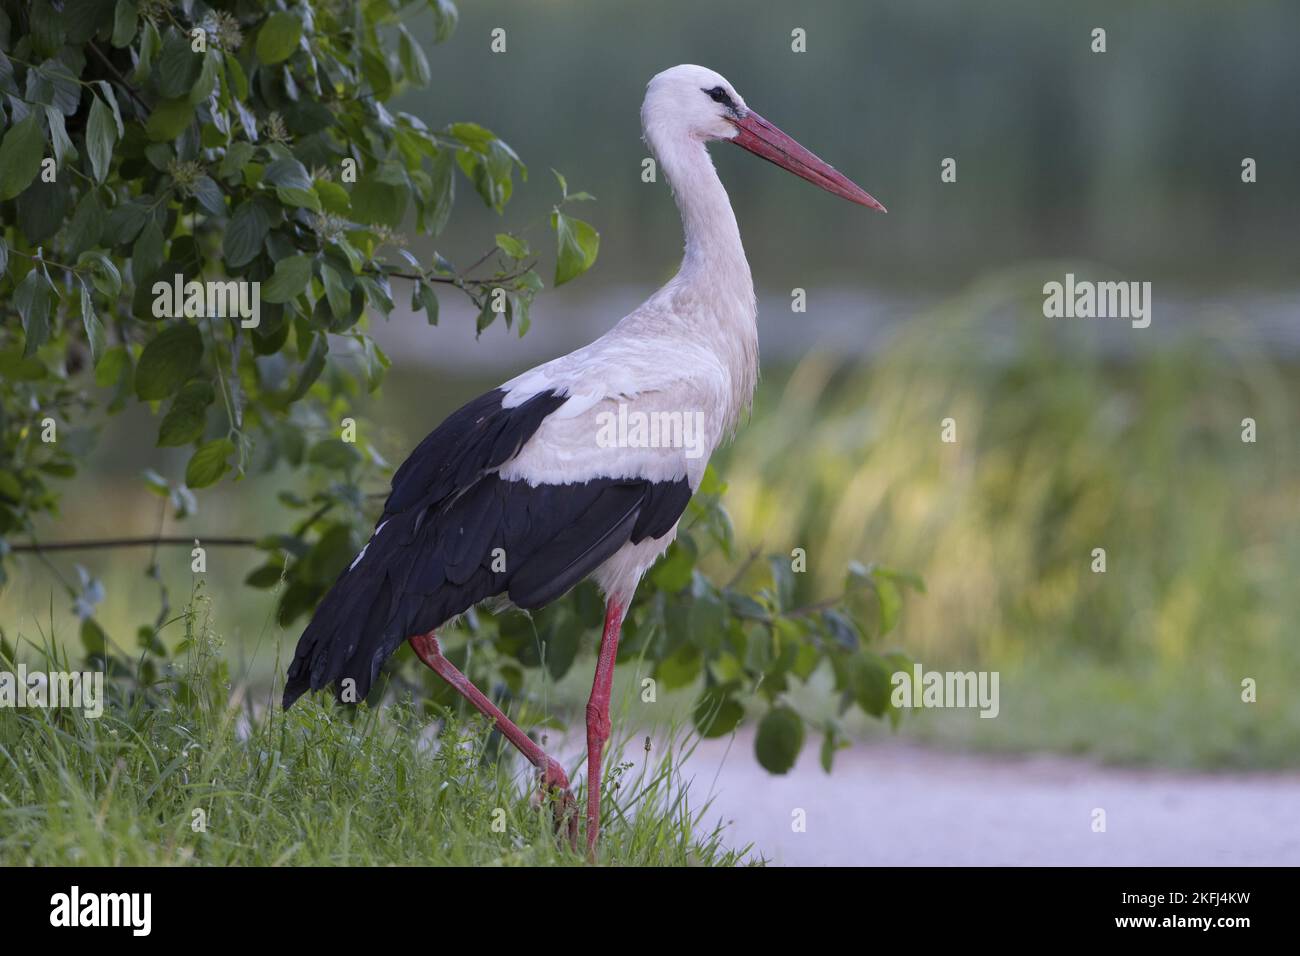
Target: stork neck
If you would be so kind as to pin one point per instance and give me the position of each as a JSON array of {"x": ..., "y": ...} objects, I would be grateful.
[
  {"x": 713, "y": 292},
  {"x": 713, "y": 247}
]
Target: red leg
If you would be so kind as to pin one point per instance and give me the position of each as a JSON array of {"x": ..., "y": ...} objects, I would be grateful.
[
  {"x": 598, "y": 726},
  {"x": 553, "y": 776}
]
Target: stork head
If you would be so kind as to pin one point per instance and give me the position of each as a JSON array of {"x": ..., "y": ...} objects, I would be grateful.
[{"x": 695, "y": 102}]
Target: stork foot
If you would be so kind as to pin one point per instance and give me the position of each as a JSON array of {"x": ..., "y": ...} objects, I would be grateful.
[{"x": 555, "y": 785}]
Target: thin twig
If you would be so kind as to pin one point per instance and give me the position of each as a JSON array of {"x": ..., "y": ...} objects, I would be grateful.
[
  {"x": 122, "y": 81},
  {"x": 740, "y": 572},
  {"x": 455, "y": 280}
]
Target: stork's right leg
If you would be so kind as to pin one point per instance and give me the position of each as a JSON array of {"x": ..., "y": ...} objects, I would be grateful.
[{"x": 554, "y": 779}]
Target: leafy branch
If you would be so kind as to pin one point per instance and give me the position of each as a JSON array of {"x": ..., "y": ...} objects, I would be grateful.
[{"x": 259, "y": 153}]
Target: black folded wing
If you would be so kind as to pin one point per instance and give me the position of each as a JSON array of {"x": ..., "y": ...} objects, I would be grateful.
[{"x": 454, "y": 533}]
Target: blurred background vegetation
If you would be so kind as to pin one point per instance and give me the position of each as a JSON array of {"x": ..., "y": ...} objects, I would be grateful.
[{"x": 1072, "y": 434}]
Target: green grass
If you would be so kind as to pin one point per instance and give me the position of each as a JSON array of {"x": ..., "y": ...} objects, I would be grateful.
[{"x": 319, "y": 785}]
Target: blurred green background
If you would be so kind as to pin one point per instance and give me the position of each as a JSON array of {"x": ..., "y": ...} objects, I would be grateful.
[{"x": 1071, "y": 434}]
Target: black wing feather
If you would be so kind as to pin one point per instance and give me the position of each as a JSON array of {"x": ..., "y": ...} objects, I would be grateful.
[{"x": 431, "y": 557}]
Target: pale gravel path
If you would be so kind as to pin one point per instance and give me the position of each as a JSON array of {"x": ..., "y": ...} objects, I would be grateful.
[{"x": 893, "y": 804}]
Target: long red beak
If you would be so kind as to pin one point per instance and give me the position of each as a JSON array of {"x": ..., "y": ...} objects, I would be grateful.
[{"x": 763, "y": 139}]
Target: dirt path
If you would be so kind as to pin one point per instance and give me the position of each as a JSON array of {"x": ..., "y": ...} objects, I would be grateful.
[{"x": 897, "y": 804}]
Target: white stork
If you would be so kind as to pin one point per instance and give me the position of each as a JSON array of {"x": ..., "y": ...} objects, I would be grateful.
[{"x": 529, "y": 468}]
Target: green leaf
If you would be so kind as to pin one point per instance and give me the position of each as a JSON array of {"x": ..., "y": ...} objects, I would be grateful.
[
  {"x": 59, "y": 141},
  {"x": 339, "y": 298},
  {"x": 377, "y": 362},
  {"x": 103, "y": 272},
  {"x": 95, "y": 335},
  {"x": 208, "y": 195},
  {"x": 288, "y": 173},
  {"x": 101, "y": 134},
  {"x": 237, "y": 156},
  {"x": 244, "y": 236},
  {"x": 442, "y": 186},
  {"x": 673, "y": 572},
  {"x": 87, "y": 224},
  {"x": 717, "y": 713},
  {"x": 150, "y": 44},
  {"x": 20, "y": 156},
  {"x": 55, "y": 85},
  {"x": 106, "y": 92},
  {"x": 124, "y": 23},
  {"x": 511, "y": 246},
  {"x": 303, "y": 198},
  {"x": 209, "y": 463},
  {"x": 831, "y": 742},
  {"x": 289, "y": 279},
  {"x": 93, "y": 639},
  {"x": 168, "y": 361},
  {"x": 169, "y": 119},
  {"x": 381, "y": 198},
  {"x": 891, "y": 602},
  {"x": 115, "y": 367},
  {"x": 486, "y": 315},
  {"x": 185, "y": 420},
  {"x": 577, "y": 245},
  {"x": 868, "y": 681},
  {"x": 445, "y": 16},
  {"x": 679, "y": 669},
  {"x": 414, "y": 62},
  {"x": 783, "y": 580},
  {"x": 125, "y": 222},
  {"x": 147, "y": 253},
  {"x": 178, "y": 66},
  {"x": 84, "y": 18},
  {"x": 266, "y": 576},
  {"x": 42, "y": 207},
  {"x": 473, "y": 135},
  {"x": 425, "y": 298},
  {"x": 779, "y": 740},
  {"x": 378, "y": 77},
  {"x": 207, "y": 81},
  {"x": 335, "y": 454},
  {"x": 236, "y": 76},
  {"x": 10, "y": 487},
  {"x": 333, "y": 198},
  {"x": 32, "y": 299},
  {"x": 278, "y": 37},
  {"x": 312, "y": 367}
]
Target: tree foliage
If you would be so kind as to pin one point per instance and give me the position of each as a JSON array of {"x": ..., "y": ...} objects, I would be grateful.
[{"x": 147, "y": 144}]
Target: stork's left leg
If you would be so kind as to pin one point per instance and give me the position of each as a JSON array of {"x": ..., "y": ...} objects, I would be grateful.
[
  {"x": 554, "y": 780},
  {"x": 598, "y": 725}
]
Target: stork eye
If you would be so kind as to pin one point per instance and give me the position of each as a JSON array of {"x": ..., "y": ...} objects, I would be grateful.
[{"x": 719, "y": 95}]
